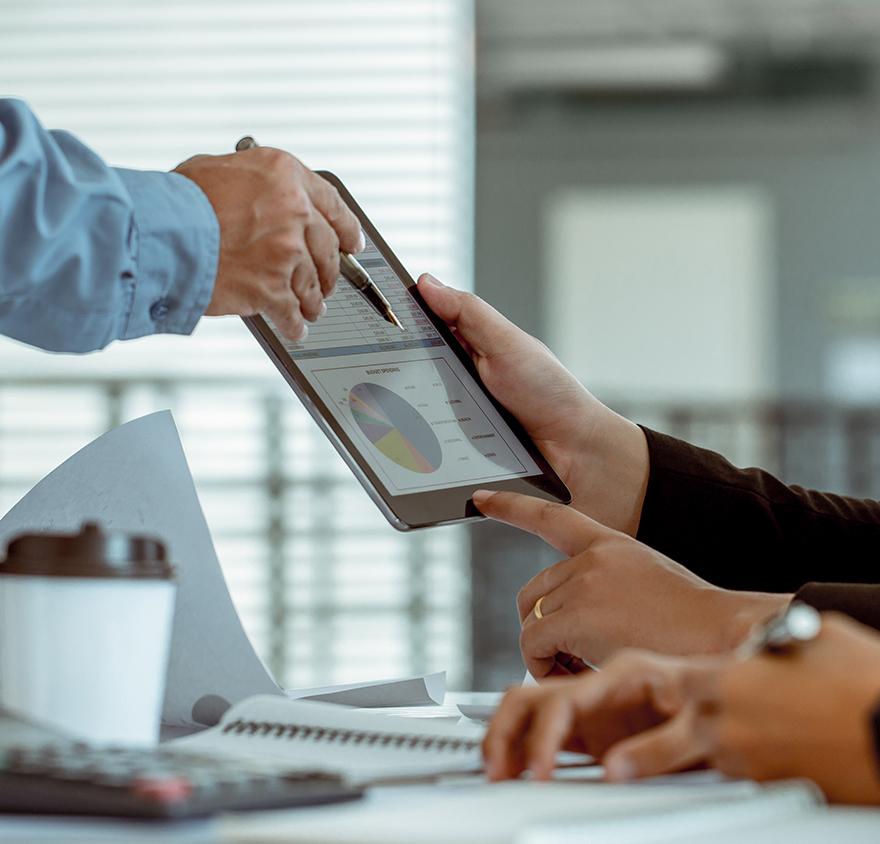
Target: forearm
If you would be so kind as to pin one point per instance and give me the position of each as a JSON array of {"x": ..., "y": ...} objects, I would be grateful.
[
  {"x": 744, "y": 529},
  {"x": 89, "y": 254}
]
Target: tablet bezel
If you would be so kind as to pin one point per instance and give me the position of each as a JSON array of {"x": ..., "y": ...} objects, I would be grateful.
[{"x": 420, "y": 509}]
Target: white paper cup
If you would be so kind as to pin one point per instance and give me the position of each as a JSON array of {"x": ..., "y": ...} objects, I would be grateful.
[{"x": 84, "y": 640}]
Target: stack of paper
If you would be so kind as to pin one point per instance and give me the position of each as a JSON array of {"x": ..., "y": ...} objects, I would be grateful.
[{"x": 532, "y": 813}]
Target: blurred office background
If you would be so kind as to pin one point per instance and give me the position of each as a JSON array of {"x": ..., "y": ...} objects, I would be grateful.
[{"x": 681, "y": 197}]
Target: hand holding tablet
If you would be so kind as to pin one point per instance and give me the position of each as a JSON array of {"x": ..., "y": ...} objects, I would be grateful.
[{"x": 406, "y": 410}]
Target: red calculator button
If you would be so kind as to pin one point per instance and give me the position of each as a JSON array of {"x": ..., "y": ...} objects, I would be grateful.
[{"x": 164, "y": 789}]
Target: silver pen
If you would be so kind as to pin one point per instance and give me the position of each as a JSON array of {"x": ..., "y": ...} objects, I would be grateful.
[{"x": 350, "y": 269}]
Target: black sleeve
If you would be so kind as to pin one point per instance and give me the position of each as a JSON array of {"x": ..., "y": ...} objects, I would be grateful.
[
  {"x": 744, "y": 529},
  {"x": 860, "y": 601}
]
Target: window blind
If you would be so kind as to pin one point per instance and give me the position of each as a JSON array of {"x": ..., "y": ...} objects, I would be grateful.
[{"x": 380, "y": 93}]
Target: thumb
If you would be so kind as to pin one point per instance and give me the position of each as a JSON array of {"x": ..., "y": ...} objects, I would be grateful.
[
  {"x": 485, "y": 330},
  {"x": 564, "y": 528}
]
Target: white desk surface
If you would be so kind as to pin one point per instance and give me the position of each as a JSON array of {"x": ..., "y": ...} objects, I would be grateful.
[{"x": 457, "y": 799}]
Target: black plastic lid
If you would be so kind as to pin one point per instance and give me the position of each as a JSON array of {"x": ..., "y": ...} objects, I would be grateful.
[{"x": 93, "y": 552}]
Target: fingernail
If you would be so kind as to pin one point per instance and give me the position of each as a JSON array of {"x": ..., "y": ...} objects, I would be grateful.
[
  {"x": 620, "y": 769},
  {"x": 303, "y": 334},
  {"x": 538, "y": 770},
  {"x": 429, "y": 279},
  {"x": 481, "y": 496},
  {"x": 362, "y": 242},
  {"x": 323, "y": 308}
]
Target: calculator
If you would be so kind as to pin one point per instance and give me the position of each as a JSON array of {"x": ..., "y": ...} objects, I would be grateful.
[{"x": 73, "y": 778}]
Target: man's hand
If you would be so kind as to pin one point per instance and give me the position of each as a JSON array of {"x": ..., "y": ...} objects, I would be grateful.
[
  {"x": 614, "y": 592},
  {"x": 642, "y": 715},
  {"x": 601, "y": 457},
  {"x": 281, "y": 229},
  {"x": 806, "y": 714}
]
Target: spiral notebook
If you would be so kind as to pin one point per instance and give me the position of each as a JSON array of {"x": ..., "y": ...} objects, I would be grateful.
[{"x": 364, "y": 747}]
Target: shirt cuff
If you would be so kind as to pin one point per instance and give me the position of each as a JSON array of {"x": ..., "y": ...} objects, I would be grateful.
[{"x": 175, "y": 241}]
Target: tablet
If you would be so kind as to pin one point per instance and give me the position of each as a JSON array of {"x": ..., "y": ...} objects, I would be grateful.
[{"x": 406, "y": 410}]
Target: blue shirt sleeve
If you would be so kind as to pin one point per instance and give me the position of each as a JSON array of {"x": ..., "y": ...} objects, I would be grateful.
[{"x": 90, "y": 254}]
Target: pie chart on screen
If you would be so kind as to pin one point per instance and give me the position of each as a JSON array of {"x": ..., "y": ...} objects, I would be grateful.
[{"x": 395, "y": 427}]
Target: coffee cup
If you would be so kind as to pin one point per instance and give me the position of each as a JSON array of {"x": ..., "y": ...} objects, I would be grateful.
[{"x": 85, "y": 629}]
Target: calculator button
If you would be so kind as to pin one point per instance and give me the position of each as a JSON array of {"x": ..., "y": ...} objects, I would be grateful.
[{"x": 162, "y": 789}]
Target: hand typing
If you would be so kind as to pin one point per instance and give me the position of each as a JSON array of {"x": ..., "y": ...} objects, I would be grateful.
[{"x": 800, "y": 715}]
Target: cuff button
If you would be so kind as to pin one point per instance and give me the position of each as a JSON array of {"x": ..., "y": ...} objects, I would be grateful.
[{"x": 159, "y": 309}]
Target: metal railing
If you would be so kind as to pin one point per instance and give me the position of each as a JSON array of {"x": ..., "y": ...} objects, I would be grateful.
[
  {"x": 824, "y": 446},
  {"x": 326, "y": 589}
]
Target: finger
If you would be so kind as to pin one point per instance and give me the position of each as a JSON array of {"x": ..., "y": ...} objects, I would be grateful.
[
  {"x": 724, "y": 742},
  {"x": 546, "y": 603},
  {"x": 551, "y": 724},
  {"x": 672, "y": 746},
  {"x": 328, "y": 202},
  {"x": 605, "y": 706},
  {"x": 484, "y": 329},
  {"x": 307, "y": 288},
  {"x": 701, "y": 680},
  {"x": 707, "y": 729},
  {"x": 568, "y": 664},
  {"x": 287, "y": 318},
  {"x": 560, "y": 525},
  {"x": 502, "y": 742},
  {"x": 541, "y": 639},
  {"x": 559, "y": 669},
  {"x": 547, "y": 584},
  {"x": 323, "y": 246},
  {"x": 463, "y": 343}
]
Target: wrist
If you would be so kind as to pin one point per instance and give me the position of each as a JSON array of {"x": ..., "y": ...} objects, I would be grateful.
[
  {"x": 744, "y": 610},
  {"x": 610, "y": 475}
]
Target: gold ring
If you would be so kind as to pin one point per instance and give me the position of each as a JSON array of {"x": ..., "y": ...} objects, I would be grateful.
[{"x": 537, "y": 609}]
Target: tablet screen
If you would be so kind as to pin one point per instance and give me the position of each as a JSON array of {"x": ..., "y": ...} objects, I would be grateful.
[{"x": 406, "y": 401}]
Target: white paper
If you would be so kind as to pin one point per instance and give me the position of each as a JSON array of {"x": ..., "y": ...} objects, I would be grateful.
[
  {"x": 480, "y": 706},
  {"x": 136, "y": 479},
  {"x": 424, "y": 690},
  {"x": 674, "y": 824},
  {"x": 501, "y": 813}
]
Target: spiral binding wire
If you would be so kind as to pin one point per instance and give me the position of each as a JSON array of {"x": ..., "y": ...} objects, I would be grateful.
[{"x": 357, "y": 738}]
